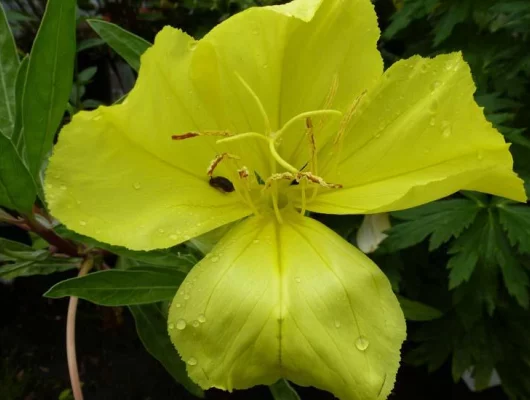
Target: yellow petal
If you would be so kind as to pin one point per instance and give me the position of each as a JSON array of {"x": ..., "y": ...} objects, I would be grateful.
[
  {"x": 328, "y": 62},
  {"x": 418, "y": 136},
  {"x": 101, "y": 184},
  {"x": 292, "y": 300}
]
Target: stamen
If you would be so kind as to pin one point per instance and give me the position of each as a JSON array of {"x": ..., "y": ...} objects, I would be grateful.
[
  {"x": 258, "y": 102},
  {"x": 279, "y": 176},
  {"x": 243, "y": 173},
  {"x": 347, "y": 118},
  {"x": 304, "y": 115},
  {"x": 188, "y": 135},
  {"x": 332, "y": 91},
  {"x": 302, "y": 187},
  {"x": 312, "y": 144},
  {"x": 243, "y": 136},
  {"x": 216, "y": 161},
  {"x": 318, "y": 180}
]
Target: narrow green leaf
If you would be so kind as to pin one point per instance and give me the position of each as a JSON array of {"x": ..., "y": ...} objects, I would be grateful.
[
  {"x": 122, "y": 287},
  {"x": 89, "y": 43},
  {"x": 30, "y": 268},
  {"x": 49, "y": 80},
  {"x": 151, "y": 325},
  {"x": 164, "y": 257},
  {"x": 17, "y": 188},
  {"x": 281, "y": 390},
  {"x": 126, "y": 44},
  {"x": 8, "y": 72},
  {"x": 18, "y": 136},
  {"x": 416, "y": 311}
]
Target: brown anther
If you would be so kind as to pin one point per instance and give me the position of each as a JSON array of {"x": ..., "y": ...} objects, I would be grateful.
[
  {"x": 347, "y": 118},
  {"x": 188, "y": 135},
  {"x": 243, "y": 173},
  {"x": 318, "y": 180},
  {"x": 218, "y": 158},
  {"x": 185, "y": 136}
]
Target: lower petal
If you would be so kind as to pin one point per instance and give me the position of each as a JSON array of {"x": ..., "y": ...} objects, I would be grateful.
[{"x": 291, "y": 300}]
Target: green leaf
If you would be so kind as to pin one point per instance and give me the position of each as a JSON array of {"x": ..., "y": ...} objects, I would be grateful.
[
  {"x": 8, "y": 72},
  {"x": 125, "y": 43},
  {"x": 122, "y": 287},
  {"x": 416, "y": 311},
  {"x": 23, "y": 260},
  {"x": 87, "y": 74},
  {"x": 89, "y": 43},
  {"x": 18, "y": 136},
  {"x": 515, "y": 220},
  {"x": 17, "y": 188},
  {"x": 151, "y": 325},
  {"x": 457, "y": 13},
  {"x": 282, "y": 390},
  {"x": 441, "y": 219},
  {"x": 49, "y": 80},
  {"x": 166, "y": 257}
]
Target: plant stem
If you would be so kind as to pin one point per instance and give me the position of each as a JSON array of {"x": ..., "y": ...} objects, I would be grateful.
[
  {"x": 70, "y": 336},
  {"x": 64, "y": 246}
]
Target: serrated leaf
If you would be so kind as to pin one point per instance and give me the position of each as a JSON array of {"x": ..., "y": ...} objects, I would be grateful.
[
  {"x": 49, "y": 80},
  {"x": 166, "y": 257},
  {"x": 17, "y": 188},
  {"x": 515, "y": 220},
  {"x": 442, "y": 220},
  {"x": 416, "y": 311},
  {"x": 8, "y": 72},
  {"x": 457, "y": 13},
  {"x": 151, "y": 325},
  {"x": 126, "y": 44},
  {"x": 282, "y": 390},
  {"x": 122, "y": 287}
]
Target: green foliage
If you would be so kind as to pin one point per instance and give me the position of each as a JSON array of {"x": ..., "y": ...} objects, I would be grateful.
[
  {"x": 48, "y": 81},
  {"x": 9, "y": 63},
  {"x": 139, "y": 285},
  {"x": 282, "y": 390},
  {"x": 126, "y": 44},
  {"x": 151, "y": 325}
]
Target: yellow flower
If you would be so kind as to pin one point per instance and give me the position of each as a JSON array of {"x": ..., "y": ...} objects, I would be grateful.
[{"x": 278, "y": 111}]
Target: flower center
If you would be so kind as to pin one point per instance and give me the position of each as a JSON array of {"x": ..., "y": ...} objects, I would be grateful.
[{"x": 275, "y": 190}]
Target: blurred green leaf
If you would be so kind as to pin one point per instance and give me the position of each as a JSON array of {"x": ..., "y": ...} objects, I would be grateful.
[
  {"x": 282, "y": 390},
  {"x": 416, "y": 311},
  {"x": 151, "y": 325},
  {"x": 8, "y": 72},
  {"x": 89, "y": 43},
  {"x": 122, "y": 287},
  {"x": 126, "y": 44},
  {"x": 87, "y": 74},
  {"x": 17, "y": 188},
  {"x": 181, "y": 261},
  {"x": 18, "y": 136},
  {"x": 442, "y": 220},
  {"x": 49, "y": 80}
]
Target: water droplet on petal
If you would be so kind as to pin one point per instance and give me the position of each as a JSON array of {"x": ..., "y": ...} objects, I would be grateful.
[
  {"x": 265, "y": 66},
  {"x": 298, "y": 280},
  {"x": 97, "y": 117},
  {"x": 181, "y": 324},
  {"x": 432, "y": 122},
  {"x": 186, "y": 296},
  {"x": 424, "y": 68},
  {"x": 446, "y": 132},
  {"x": 171, "y": 326},
  {"x": 215, "y": 259},
  {"x": 161, "y": 230},
  {"x": 435, "y": 85},
  {"x": 202, "y": 318},
  {"x": 480, "y": 155},
  {"x": 82, "y": 223},
  {"x": 192, "y": 361},
  {"x": 195, "y": 324},
  {"x": 255, "y": 241},
  {"x": 173, "y": 237},
  {"x": 63, "y": 187},
  {"x": 337, "y": 324},
  {"x": 178, "y": 305},
  {"x": 137, "y": 185},
  {"x": 362, "y": 343}
]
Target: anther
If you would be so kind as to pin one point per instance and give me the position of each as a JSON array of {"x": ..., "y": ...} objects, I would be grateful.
[
  {"x": 217, "y": 160},
  {"x": 189, "y": 135},
  {"x": 243, "y": 173},
  {"x": 347, "y": 118}
]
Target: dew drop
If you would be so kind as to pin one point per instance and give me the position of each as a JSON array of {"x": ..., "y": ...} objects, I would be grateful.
[
  {"x": 195, "y": 324},
  {"x": 265, "y": 66},
  {"x": 202, "y": 318},
  {"x": 173, "y": 236},
  {"x": 97, "y": 117},
  {"x": 337, "y": 324},
  {"x": 186, "y": 296},
  {"x": 446, "y": 132},
  {"x": 161, "y": 230},
  {"x": 423, "y": 68},
  {"x": 82, "y": 223},
  {"x": 435, "y": 85},
  {"x": 215, "y": 259},
  {"x": 63, "y": 187},
  {"x": 480, "y": 155},
  {"x": 137, "y": 185},
  {"x": 298, "y": 280},
  {"x": 255, "y": 241},
  {"x": 171, "y": 326},
  {"x": 181, "y": 324},
  {"x": 192, "y": 361},
  {"x": 362, "y": 343},
  {"x": 178, "y": 305},
  {"x": 377, "y": 135},
  {"x": 432, "y": 122}
]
